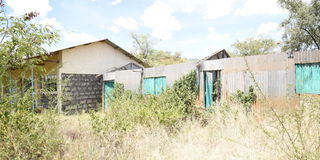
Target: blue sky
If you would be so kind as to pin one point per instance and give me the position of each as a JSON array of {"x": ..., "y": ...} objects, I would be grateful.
[{"x": 196, "y": 28}]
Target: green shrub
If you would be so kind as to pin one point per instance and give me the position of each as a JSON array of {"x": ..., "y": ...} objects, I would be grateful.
[
  {"x": 24, "y": 134},
  {"x": 128, "y": 109},
  {"x": 247, "y": 99}
]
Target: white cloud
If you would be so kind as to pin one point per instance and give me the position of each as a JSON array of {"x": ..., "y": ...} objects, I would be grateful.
[
  {"x": 213, "y": 35},
  {"x": 115, "y": 2},
  {"x": 186, "y": 6},
  {"x": 217, "y": 9},
  {"x": 20, "y": 7},
  {"x": 267, "y": 28},
  {"x": 209, "y": 9},
  {"x": 270, "y": 29},
  {"x": 126, "y": 23},
  {"x": 114, "y": 29},
  {"x": 77, "y": 37},
  {"x": 51, "y": 21},
  {"x": 159, "y": 18},
  {"x": 252, "y": 7}
]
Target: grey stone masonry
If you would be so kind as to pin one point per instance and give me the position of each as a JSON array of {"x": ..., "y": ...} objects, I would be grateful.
[{"x": 81, "y": 92}]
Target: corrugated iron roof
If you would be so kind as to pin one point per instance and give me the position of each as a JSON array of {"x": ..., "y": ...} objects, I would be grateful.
[{"x": 215, "y": 53}]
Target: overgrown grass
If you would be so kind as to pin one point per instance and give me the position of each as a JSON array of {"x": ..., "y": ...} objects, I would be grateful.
[
  {"x": 24, "y": 134},
  {"x": 230, "y": 133},
  {"x": 128, "y": 109},
  {"x": 166, "y": 126}
]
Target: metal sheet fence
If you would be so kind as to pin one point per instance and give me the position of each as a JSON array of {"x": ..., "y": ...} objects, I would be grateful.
[
  {"x": 273, "y": 75},
  {"x": 306, "y": 57},
  {"x": 271, "y": 83}
]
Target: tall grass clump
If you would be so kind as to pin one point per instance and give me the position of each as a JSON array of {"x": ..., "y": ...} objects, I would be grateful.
[
  {"x": 25, "y": 134},
  {"x": 128, "y": 109},
  {"x": 230, "y": 133}
]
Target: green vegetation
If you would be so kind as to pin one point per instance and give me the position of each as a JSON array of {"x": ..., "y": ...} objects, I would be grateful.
[
  {"x": 144, "y": 50},
  {"x": 229, "y": 132},
  {"x": 23, "y": 134},
  {"x": 166, "y": 126},
  {"x": 254, "y": 46},
  {"x": 247, "y": 99},
  {"x": 302, "y": 31},
  {"x": 26, "y": 135},
  {"x": 160, "y": 58},
  {"x": 128, "y": 109}
]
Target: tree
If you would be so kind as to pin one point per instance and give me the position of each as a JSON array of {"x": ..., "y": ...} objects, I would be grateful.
[
  {"x": 21, "y": 39},
  {"x": 23, "y": 134},
  {"x": 252, "y": 46},
  {"x": 143, "y": 45},
  {"x": 159, "y": 58},
  {"x": 302, "y": 27}
]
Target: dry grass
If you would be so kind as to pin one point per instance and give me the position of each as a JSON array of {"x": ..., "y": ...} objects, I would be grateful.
[
  {"x": 229, "y": 135},
  {"x": 80, "y": 142}
]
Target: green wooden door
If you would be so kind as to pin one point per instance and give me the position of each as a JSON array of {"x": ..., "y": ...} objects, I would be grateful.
[
  {"x": 159, "y": 85},
  {"x": 154, "y": 85},
  {"x": 208, "y": 88},
  {"x": 108, "y": 87},
  {"x": 308, "y": 78},
  {"x": 148, "y": 86}
]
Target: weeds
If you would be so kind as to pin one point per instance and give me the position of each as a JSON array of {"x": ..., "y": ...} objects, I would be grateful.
[
  {"x": 231, "y": 133},
  {"x": 128, "y": 109},
  {"x": 25, "y": 135},
  {"x": 296, "y": 131},
  {"x": 133, "y": 128},
  {"x": 247, "y": 99}
]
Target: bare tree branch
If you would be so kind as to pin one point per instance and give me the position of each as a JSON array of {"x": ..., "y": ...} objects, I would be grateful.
[{"x": 313, "y": 38}]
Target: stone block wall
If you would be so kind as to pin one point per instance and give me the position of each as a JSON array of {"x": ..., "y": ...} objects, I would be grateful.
[{"x": 81, "y": 92}]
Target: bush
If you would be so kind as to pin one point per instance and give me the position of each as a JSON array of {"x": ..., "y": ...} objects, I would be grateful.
[
  {"x": 24, "y": 134},
  {"x": 128, "y": 109},
  {"x": 247, "y": 99}
]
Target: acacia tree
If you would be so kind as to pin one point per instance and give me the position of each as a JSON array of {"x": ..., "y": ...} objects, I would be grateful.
[
  {"x": 255, "y": 46},
  {"x": 302, "y": 27}
]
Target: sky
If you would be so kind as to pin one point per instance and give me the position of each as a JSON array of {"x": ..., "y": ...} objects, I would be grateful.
[{"x": 196, "y": 28}]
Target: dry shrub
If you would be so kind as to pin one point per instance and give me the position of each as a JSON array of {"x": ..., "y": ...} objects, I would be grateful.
[
  {"x": 80, "y": 142},
  {"x": 296, "y": 131},
  {"x": 231, "y": 133}
]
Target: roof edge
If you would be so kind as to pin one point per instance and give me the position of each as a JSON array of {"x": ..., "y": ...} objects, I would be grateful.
[
  {"x": 214, "y": 53},
  {"x": 113, "y": 45}
]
